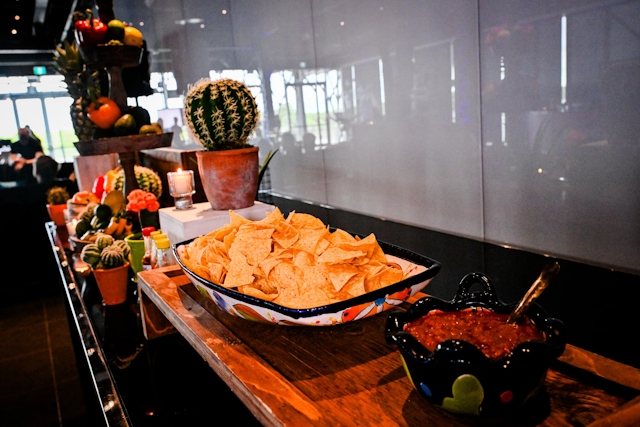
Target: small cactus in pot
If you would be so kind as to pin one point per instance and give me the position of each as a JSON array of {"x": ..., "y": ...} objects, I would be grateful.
[
  {"x": 110, "y": 267},
  {"x": 106, "y": 257},
  {"x": 57, "y": 196},
  {"x": 221, "y": 115},
  {"x": 56, "y": 204}
]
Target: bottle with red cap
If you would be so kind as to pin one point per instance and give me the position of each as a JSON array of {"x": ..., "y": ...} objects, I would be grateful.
[{"x": 146, "y": 259}]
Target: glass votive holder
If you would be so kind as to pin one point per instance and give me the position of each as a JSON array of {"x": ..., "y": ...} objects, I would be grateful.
[{"x": 181, "y": 187}]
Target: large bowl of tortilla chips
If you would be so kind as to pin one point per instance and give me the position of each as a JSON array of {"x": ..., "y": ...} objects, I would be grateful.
[{"x": 298, "y": 271}]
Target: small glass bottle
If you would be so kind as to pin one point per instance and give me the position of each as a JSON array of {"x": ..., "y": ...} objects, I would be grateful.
[
  {"x": 146, "y": 258},
  {"x": 164, "y": 255},
  {"x": 154, "y": 252}
]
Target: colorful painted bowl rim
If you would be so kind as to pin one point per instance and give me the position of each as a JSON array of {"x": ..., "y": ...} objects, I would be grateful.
[
  {"x": 554, "y": 342},
  {"x": 432, "y": 267}
]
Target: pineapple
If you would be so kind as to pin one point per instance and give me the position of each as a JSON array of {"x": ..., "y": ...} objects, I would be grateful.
[{"x": 83, "y": 85}]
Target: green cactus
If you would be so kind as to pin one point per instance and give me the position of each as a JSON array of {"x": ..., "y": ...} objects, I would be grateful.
[
  {"x": 220, "y": 114},
  {"x": 57, "y": 196},
  {"x": 148, "y": 180},
  {"x": 103, "y": 240},
  {"x": 91, "y": 254},
  {"x": 126, "y": 249},
  {"x": 89, "y": 212},
  {"x": 112, "y": 257}
]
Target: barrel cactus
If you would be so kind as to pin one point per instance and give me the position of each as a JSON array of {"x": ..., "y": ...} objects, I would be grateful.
[
  {"x": 148, "y": 180},
  {"x": 112, "y": 257},
  {"x": 220, "y": 114},
  {"x": 103, "y": 240},
  {"x": 91, "y": 254},
  {"x": 57, "y": 196},
  {"x": 89, "y": 212},
  {"x": 126, "y": 249}
]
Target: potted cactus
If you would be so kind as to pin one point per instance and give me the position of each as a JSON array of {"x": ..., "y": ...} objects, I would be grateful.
[
  {"x": 109, "y": 261},
  {"x": 56, "y": 204},
  {"x": 220, "y": 116}
]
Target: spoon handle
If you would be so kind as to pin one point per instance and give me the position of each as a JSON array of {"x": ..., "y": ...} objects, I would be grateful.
[{"x": 534, "y": 291}]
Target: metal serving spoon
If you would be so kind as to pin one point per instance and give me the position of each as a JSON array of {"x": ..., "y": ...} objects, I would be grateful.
[{"x": 534, "y": 291}]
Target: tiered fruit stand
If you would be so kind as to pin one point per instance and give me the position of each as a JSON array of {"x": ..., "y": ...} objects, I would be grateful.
[{"x": 114, "y": 59}]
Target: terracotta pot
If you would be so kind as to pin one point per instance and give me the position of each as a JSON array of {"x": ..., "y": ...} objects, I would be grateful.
[
  {"x": 229, "y": 177},
  {"x": 56, "y": 213},
  {"x": 113, "y": 284}
]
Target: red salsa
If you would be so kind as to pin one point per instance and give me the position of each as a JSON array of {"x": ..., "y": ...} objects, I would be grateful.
[{"x": 485, "y": 329}]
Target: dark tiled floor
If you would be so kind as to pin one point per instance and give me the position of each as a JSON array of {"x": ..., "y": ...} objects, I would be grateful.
[{"x": 40, "y": 384}]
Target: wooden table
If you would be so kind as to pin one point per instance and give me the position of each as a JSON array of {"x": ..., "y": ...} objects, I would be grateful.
[{"x": 348, "y": 375}]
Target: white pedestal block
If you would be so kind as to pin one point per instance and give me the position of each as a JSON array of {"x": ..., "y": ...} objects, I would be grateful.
[{"x": 181, "y": 225}]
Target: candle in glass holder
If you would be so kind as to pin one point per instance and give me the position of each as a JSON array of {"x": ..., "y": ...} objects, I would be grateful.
[{"x": 181, "y": 187}]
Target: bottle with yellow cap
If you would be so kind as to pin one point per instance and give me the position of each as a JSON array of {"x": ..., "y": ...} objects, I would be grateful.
[
  {"x": 164, "y": 255},
  {"x": 154, "y": 251}
]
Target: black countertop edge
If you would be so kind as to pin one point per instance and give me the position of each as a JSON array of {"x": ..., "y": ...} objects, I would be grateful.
[{"x": 95, "y": 362}]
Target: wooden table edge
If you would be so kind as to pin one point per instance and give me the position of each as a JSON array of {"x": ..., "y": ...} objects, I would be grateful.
[{"x": 262, "y": 404}]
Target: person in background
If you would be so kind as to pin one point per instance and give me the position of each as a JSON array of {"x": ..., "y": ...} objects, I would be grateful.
[
  {"x": 178, "y": 140},
  {"x": 26, "y": 148},
  {"x": 24, "y": 153},
  {"x": 45, "y": 170}
]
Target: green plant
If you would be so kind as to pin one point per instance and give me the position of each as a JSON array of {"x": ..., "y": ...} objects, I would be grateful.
[
  {"x": 111, "y": 256},
  {"x": 126, "y": 249},
  {"x": 148, "y": 180},
  {"x": 83, "y": 84},
  {"x": 103, "y": 240},
  {"x": 91, "y": 254},
  {"x": 57, "y": 196},
  {"x": 220, "y": 114}
]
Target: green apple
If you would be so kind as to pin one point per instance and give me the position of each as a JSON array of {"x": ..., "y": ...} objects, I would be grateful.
[{"x": 115, "y": 30}]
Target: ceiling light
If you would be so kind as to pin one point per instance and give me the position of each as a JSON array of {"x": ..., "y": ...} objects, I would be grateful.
[
  {"x": 141, "y": 24},
  {"x": 14, "y": 31},
  {"x": 224, "y": 11},
  {"x": 17, "y": 17}
]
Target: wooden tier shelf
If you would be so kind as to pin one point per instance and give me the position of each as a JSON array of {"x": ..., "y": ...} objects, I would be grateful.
[
  {"x": 113, "y": 59},
  {"x": 123, "y": 144},
  {"x": 127, "y": 148},
  {"x": 105, "y": 56}
]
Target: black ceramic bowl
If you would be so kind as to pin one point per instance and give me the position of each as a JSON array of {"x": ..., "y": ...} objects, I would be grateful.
[{"x": 457, "y": 376}]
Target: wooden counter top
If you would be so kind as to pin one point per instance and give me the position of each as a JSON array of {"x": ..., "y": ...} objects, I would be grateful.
[{"x": 348, "y": 375}]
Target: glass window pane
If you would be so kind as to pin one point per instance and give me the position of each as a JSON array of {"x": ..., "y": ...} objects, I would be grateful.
[
  {"x": 30, "y": 114},
  {"x": 8, "y": 127},
  {"x": 60, "y": 128}
]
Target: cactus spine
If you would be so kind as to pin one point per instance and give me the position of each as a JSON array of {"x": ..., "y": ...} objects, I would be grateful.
[{"x": 220, "y": 114}]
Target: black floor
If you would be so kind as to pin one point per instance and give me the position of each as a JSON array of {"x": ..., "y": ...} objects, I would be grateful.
[
  {"x": 39, "y": 380},
  {"x": 40, "y": 383}
]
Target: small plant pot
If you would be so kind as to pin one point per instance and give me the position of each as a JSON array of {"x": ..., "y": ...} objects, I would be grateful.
[
  {"x": 229, "y": 177},
  {"x": 113, "y": 284},
  {"x": 136, "y": 243},
  {"x": 56, "y": 213}
]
